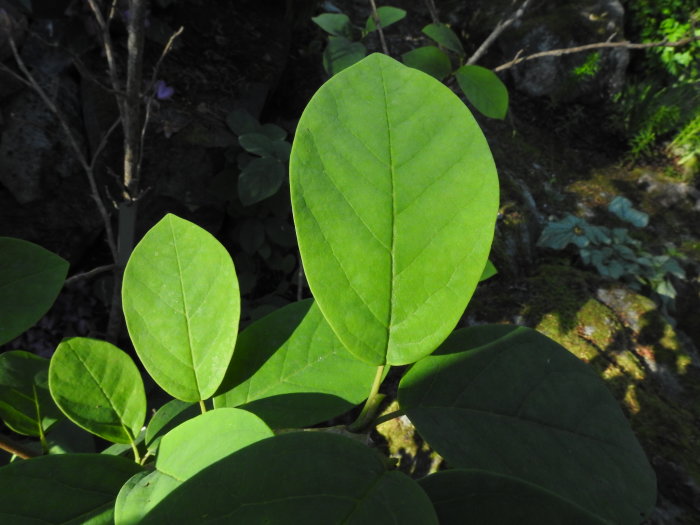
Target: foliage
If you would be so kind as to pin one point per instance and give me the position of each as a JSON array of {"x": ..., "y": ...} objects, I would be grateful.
[
  {"x": 394, "y": 238},
  {"x": 614, "y": 252}
]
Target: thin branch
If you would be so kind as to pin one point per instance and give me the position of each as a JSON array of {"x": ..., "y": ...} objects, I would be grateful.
[
  {"x": 590, "y": 47},
  {"x": 500, "y": 27},
  {"x": 430, "y": 4},
  {"x": 9, "y": 445},
  {"x": 103, "y": 143},
  {"x": 89, "y": 274},
  {"x": 378, "y": 24}
]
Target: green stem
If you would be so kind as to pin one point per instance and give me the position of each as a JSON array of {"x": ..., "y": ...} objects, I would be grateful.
[
  {"x": 387, "y": 417},
  {"x": 145, "y": 457},
  {"x": 371, "y": 404},
  {"x": 202, "y": 406},
  {"x": 137, "y": 456}
]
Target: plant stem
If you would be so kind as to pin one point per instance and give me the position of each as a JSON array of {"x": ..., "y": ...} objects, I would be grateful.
[
  {"x": 377, "y": 22},
  {"x": 137, "y": 456},
  {"x": 387, "y": 417},
  {"x": 17, "y": 449},
  {"x": 202, "y": 406},
  {"x": 371, "y": 404}
]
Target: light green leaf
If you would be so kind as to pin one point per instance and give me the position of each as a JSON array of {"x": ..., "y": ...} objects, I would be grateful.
[
  {"x": 475, "y": 496},
  {"x": 341, "y": 53},
  {"x": 99, "y": 388},
  {"x": 66, "y": 489},
  {"x": 387, "y": 15},
  {"x": 182, "y": 307},
  {"x": 183, "y": 452},
  {"x": 395, "y": 195},
  {"x": 290, "y": 369},
  {"x": 30, "y": 279},
  {"x": 312, "y": 478},
  {"x": 511, "y": 401},
  {"x": 430, "y": 60},
  {"x": 336, "y": 24},
  {"x": 489, "y": 271},
  {"x": 260, "y": 179},
  {"x": 443, "y": 35},
  {"x": 484, "y": 90},
  {"x": 166, "y": 418},
  {"x": 26, "y": 406}
]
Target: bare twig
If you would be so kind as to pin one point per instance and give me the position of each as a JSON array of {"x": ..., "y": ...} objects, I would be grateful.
[
  {"x": 500, "y": 27},
  {"x": 378, "y": 24},
  {"x": 591, "y": 47},
  {"x": 9, "y": 445},
  {"x": 430, "y": 4},
  {"x": 103, "y": 143},
  {"x": 89, "y": 274}
]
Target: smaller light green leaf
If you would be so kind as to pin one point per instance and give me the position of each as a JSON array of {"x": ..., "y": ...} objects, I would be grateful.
[
  {"x": 99, "y": 388},
  {"x": 260, "y": 179},
  {"x": 257, "y": 144},
  {"x": 183, "y": 452},
  {"x": 182, "y": 306},
  {"x": 341, "y": 53},
  {"x": 622, "y": 207},
  {"x": 314, "y": 478},
  {"x": 241, "y": 122},
  {"x": 489, "y": 271},
  {"x": 484, "y": 90},
  {"x": 63, "y": 489},
  {"x": 273, "y": 132},
  {"x": 387, "y": 15},
  {"x": 166, "y": 418},
  {"x": 25, "y": 401},
  {"x": 290, "y": 369},
  {"x": 430, "y": 60},
  {"x": 476, "y": 496},
  {"x": 443, "y": 35},
  {"x": 336, "y": 24},
  {"x": 30, "y": 280}
]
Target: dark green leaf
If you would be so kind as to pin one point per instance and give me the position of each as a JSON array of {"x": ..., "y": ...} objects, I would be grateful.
[
  {"x": 312, "y": 478},
  {"x": 489, "y": 271},
  {"x": 166, "y": 418},
  {"x": 260, "y": 179},
  {"x": 336, "y": 24},
  {"x": 387, "y": 15},
  {"x": 242, "y": 122},
  {"x": 430, "y": 60},
  {"x": 341, "y": 53},
  {"x": 281, "y": 232},
  {"x": 257, "y": 144},
  {"x": 513, "y": 402},
  {"x": 63, "y": 489},
  {"x": 443, "y": 35},
  {"x": 291, "y": 370},
  {"x": 273, "y": 132},
  {"x": 99, "y": 388},
  {"x": 252, "y": 235},
  {"x": 484, "y": 90},
  {"x": 30, "y": 279},
  {"x": 25, "y": 401}
]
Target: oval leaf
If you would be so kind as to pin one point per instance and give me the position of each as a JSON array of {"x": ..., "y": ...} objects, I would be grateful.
[
  {"x": 260, "y": 179},
  {"x": 387, "y": 15},
  {"x": 26, "y": 406},
  {"x": 30, "y": 279},
  {"x": 484, "y": 90},
  {"x": 183, "y": 452},
  {"x": 166, "y": 418},
  {"x": 336, "y": 24},
  {"x": 511, "y": 401},
  {"x": 63, "y": 489},
  {"x": 99, "y": 388},
  {"x": 290, "y": 369},
  {"x": 182, "y": 306},
  {"x": 341, "y": 53},
  {"x": 430, "y": 60},
  {"x": 395, "y": 195},
  {"x": 475, "y": 496},
  {"x": 256, "y": 143},
  {"x": 301, "y": 477},
  {"x": 443, "y": 35}
]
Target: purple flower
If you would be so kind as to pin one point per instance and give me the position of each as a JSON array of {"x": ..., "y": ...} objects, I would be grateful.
[{"x": 163, "y": 91}]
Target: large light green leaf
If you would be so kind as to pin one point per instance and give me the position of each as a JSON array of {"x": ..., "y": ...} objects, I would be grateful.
[
  {"x": 185, "y": 451},
  {"x": 395, "y": 195},
  {"x": 30, "y": 279},
  {"x": 291, "y": 370},
  {"x": 26, "y": 406},
  {"x": 99, "y": 388},
  {"x": 474, "y": 496},
  {"x": 182, "y": 306},
  {"x": 484, "y": 89},
  {"x": 312, "y": 478},
  {"x": 511, "y": 401},
  {"x": 66, "y": 489}
]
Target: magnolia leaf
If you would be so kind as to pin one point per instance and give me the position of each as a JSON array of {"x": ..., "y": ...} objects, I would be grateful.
[
  {"x": 475, "y": 496},
  {"x": 63, "y": 489},
  {"x": 430, "y": 60},
  {"x": 257, "y": 144},
  {"x": 513, "y": 402},
  {"x": 291, "y": 370},
  {"x": 376, "y": 148},
  {"x": 30, "y": 279},
  {"x": 484, "y": 90},
  {"x": 26, "y": 406},
  {"x": 182, "y": 306},
  {"x": 387, "y": 15},
  {"x": 166, "y": 418},
  {"x": 314, "y": 478},
  {"x": 341, "y": 53},
  {"x": 99, "y": 388},
  {"x": 443, "y": 35},
  {"x": 336, "y": 24},
  {"x": 183, "y": 452},
  {"x": 260, "y": 179},
  {"x": 241, "y": 122}
]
